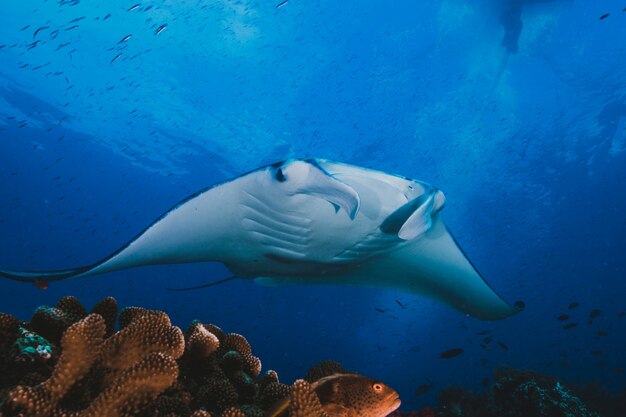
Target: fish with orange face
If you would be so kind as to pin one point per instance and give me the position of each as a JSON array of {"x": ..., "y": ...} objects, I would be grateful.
[{"x": 349, "y": 395}]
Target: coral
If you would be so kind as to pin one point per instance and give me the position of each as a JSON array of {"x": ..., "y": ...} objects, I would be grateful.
[
  {"x": 322, "y": 369},
  {"x": 200, "y": 341},
  {"x": 304, "y": 402},
  {"x": 128, "y": 314},
  {"x": 217, "y": 395},
  {"x": 529, "y": 393},
  {"x": 601, "y": 401},
  {"x": 31, "y": 347},
  {"x": 515, "y": 393},
  {"x": 81, "y": 344},
  {"x": 215, "y": 330},
  {"x": 201, "y": 413},
  {"x": 94, "y": 376},
  {"x": 238, "y": 343},
  {"x": 233, "y": 412},
  {"x": 148, "y": 368},
  {"x": 135, "y": 387},
  {"x": 147, "y": 333},
  {"x": 51, "y": 322},
  {"x": 9, "y": 329},
  {"x": 107, "y": 308},
  {"x": 273, "y": 392}
]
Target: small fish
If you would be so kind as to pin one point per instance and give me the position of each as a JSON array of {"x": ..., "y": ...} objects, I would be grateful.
[
  {"x": 135, "y": 7},
  {"x": 346, "y": 394},
  {"x": 78, "y": 19},
  {"x": 160, "y": 29},
  {"x": 520, "y": 305},
  {"x": 483, "y": 332},
  {"x": 573, "y": 305},
  {"x": 41, "y": 284},
  {"x": 106, "y": 17},
  {"x": 24, "y": 28},
  {"x": 71, "y": 27},
  {"x": 604, "y": 16},
  {"x": 451, "y": 353},
  {"x": 380, "y": 310},
  {"x": 596, "y": 352},
  {"x": 399, "y": 303},
  {"x": 563, "y": 317},
  {"x": 488, "y": 339},
  {"x": 125, "y": 38},
  {"x": 503, "y": 346},
  {"x": 32, "y": 45},
  {"x": 423, "y": 389},
  {"x": 621, "y": 314},
  {"x": 602, "y": 333},
  {"x": 39, "y": 30},
  {"x": 145, "y": 9},
  {"x": 569, "y": 326},
  {"x": 40, "y": 66},
  {"x": 281, "y": 4},
  {"x": 485, "y": 382},
  {"x": 116, "y": 58},
  {"x": 595, "y": 314}
]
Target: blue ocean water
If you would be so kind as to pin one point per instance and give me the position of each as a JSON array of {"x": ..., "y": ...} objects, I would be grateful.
[{"x": 113, "y": 112}]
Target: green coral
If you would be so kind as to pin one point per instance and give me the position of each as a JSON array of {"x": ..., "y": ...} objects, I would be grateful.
[{"x": 31, "y": 347}]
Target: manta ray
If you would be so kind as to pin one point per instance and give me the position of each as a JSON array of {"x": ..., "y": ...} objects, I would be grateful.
[{"x": 312, "y": 221}]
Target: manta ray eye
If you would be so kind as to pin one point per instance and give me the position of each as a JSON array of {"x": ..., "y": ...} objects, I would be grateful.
[
  {"x": 377, "y": 388},
  {"x": 280, "y": 175}
]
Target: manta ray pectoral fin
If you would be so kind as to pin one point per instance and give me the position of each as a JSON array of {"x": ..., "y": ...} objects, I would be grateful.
[{"x": 434, "y": 265}]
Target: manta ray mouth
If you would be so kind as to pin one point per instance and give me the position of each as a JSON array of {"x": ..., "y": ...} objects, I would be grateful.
[{"x": 415, "y": 217}]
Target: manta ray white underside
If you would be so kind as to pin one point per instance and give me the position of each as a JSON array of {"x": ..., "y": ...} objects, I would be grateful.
[{"x": 312, "y": 222}]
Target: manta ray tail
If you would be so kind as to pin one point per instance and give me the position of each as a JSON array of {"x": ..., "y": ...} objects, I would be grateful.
[{"x": 43, "y": 276}]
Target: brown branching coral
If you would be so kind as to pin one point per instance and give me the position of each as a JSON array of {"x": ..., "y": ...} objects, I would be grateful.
[
  {"x": 107, "y": 308},
  {"x": 51, "y": 322},
  {"x": 218, "y": 395},
  {"x": 324, "y": 368},
  {"x": 233, "y": 412},
  {"x": 8, "y": 330},
  {"x": 128, "y": 314},
  {"x": 200, "y": 341},
  {"x": 215, "y": 330},
  {"x": 81, "y": 344},
  {"x": 146, "y": 369},
  {"x": 149, "y": 332},
  {"x": 238, "y": 343},
  {"x": 272, "y": 393},
  {"x": 113, "y": 377},
  {"x": 135, "y": 387},
  {"x": 304, "y": 401},
  {"x": 201, "y": 413}
]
